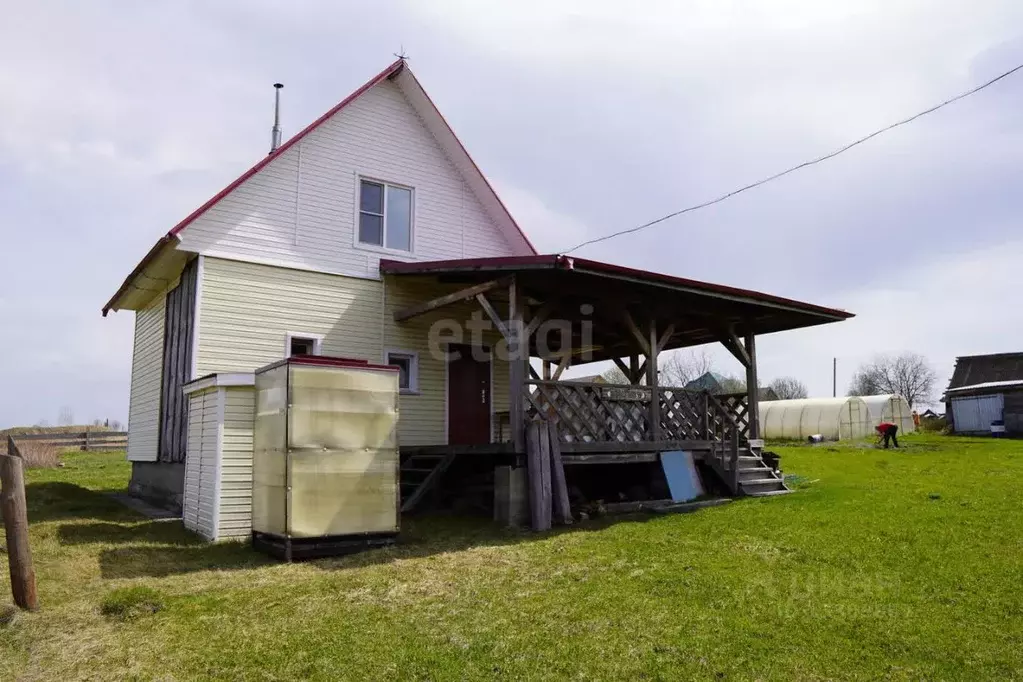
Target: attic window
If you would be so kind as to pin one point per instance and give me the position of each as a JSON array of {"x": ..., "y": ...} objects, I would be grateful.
[{"x": 385, "y": 215}]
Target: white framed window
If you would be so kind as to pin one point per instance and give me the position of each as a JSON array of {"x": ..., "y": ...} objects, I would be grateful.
[
  {"x": 407, "y": 363},
  {"x": 299, "y": 343},
  {"x": 385, "y": 215}
]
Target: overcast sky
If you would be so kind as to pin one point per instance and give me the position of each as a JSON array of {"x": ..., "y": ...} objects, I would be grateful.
[{"x": 117, "y": 119}]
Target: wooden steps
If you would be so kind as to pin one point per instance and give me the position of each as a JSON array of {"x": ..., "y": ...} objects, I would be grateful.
[
  {"x": 756, "y": 479},
  {"x": 419, "y": 474}
]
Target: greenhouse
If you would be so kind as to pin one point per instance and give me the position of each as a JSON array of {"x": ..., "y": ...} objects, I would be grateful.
[
  {"x": 832, "y": 418},
  {"x": 891, "y": 408}
]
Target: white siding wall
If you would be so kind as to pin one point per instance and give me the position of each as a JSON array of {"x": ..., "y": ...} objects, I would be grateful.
[
  {"x": 235, "y": 519},
  {"x": 300, "y": 210},
  {"x": 199, "y": 503},
  {"x": 146, "y": 370},
  {"x": 193, "y": 461},
  {"x": 247, "y": 311}
]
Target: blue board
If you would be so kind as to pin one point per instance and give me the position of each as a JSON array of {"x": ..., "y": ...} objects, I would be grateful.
[{"x": 683, "y": 478}]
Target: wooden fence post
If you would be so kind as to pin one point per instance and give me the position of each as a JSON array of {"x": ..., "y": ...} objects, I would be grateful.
[{"x": 15, "y": 513}]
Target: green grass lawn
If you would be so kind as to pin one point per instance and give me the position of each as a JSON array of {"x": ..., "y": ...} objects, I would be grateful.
[{"x": 885, "y": 564}]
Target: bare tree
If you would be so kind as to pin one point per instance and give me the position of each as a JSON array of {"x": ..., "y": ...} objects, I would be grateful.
[
  {"x": 66, "y": 417},
  {"x": 907, "y": 374},
  {"x": 681, "y": 367},
  {"x": 733, "y": 384},
  {"x": 788, "y": 388},
  {"x": 615, "y": 375}
]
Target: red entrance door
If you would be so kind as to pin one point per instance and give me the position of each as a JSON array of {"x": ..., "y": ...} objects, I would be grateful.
[{"x": 468, "y": 397}]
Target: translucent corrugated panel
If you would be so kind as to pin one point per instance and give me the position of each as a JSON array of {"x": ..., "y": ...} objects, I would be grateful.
[
  {"x": 891, "y": 408},
  {"x": 343, "y": 464},
  {"x": 833, "y": 418},
  {"x": 269, "y": 452}
]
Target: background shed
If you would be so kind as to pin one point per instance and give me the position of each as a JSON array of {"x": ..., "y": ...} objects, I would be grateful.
[
  {"x": 986, "y": 389},
  {"x": 833, "y": 418}
]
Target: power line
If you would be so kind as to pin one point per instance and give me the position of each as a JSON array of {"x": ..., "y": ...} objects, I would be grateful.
[{"x": 805, "y": 164}]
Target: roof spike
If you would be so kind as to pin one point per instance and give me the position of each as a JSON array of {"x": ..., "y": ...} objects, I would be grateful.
[{"x": 275, "y": 132}]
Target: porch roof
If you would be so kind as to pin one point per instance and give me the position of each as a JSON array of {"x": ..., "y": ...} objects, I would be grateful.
[{"x": 699, "y": 311}]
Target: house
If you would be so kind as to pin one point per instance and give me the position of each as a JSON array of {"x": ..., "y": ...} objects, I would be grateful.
[
  {"x": 372, "y": 235},
  {"x": 986, "y": 389},
  {"x": 719, "y": 384}
]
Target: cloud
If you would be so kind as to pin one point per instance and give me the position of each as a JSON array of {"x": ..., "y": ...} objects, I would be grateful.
[
  {"x": 119, "y": 119},
  {"x": 958, "y": 304},
  {"x": 548, "y": 229}
]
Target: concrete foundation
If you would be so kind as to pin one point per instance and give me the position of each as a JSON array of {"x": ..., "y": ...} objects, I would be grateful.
[
  {"x": 511, "y": 496},
  {"x": 159, "y": 483}
]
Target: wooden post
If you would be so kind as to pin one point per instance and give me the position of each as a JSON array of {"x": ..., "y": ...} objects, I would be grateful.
[
  {"x": 752, "y": 387},
  {"x": 561, "y": 505},
  {"x": 85, "y": 447},
  {"x": 734, "y": 461},
  {"x": 15, "y": 513},
  {"x": 634, "y": 366},
  {"x": 538, "y": 468},
  {"x": 651, "y": 381},
  {"x": 517, "y": 359}
]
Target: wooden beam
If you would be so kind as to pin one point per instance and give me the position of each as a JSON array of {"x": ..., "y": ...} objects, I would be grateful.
[
  {"x": 517, "y": 362},
  {"x": 627, "y": 371},
  {"x": 752, "y": 387},
  {"x": 730, "y": 341},
  {"x": 561, "y": 506},
  {"x": 665, "y": 337},
  {"x": 630, "y": 324},
  {"x": 563, "y": 364},
  {"x": 581, "y": 447},
  {"x": 651, "y": 381},
  {"x": 441, "y": 301},
  {"x": 636, "y": 369},
  {"x": 541, "y": 315},
  {"x": 640, "y": 371},
  {"x": 494, "y": 317}
]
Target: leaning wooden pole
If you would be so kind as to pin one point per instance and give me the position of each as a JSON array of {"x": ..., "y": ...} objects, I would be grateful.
[{"x": 15, "y": 513}]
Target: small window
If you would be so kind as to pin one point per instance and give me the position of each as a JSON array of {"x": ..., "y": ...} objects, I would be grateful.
[
  {"x": 385, "y": 215},
  {"x": 408, "y": 370},
  {"x": 303, "y": 344}
]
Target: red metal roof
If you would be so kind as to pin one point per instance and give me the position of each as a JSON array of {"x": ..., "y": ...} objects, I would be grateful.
[
  {"x": 390, "y": 72},
  {"x": 571, "y": 263}
]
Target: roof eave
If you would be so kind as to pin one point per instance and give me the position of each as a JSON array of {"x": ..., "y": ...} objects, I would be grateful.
[{"x": 112, "y": 304}]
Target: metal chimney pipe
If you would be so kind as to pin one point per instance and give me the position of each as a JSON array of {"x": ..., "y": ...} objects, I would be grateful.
[{"x": 275, "y": 132}]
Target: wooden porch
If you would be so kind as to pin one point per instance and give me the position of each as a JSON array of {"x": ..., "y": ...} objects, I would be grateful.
[{"x": 555, "y": 312}]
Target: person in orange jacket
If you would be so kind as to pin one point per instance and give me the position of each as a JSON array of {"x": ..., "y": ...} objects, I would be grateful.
[{"x": 888, "y": 431}]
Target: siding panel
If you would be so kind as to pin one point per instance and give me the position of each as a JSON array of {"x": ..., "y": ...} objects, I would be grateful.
[
  {"x": 300, "y": 209},
  {"x": 236, "y": 464},
  {"x": 247, "y": 311},
  {"x": 146, "y": 382}
]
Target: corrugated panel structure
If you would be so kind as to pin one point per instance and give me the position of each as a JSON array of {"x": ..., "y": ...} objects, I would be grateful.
[
  {"x": 326, "y": 450},
  {"x": 891, "y": 408},
  {"x": 833, "y": 418}
]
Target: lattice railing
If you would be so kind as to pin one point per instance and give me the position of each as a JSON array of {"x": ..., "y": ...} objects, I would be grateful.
[
  {"x": 737, "y": 404},
  {"x": 613, "y": 413},
  {"x": 592, "y": 413},
  {"x": 684, "y": 414}
]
